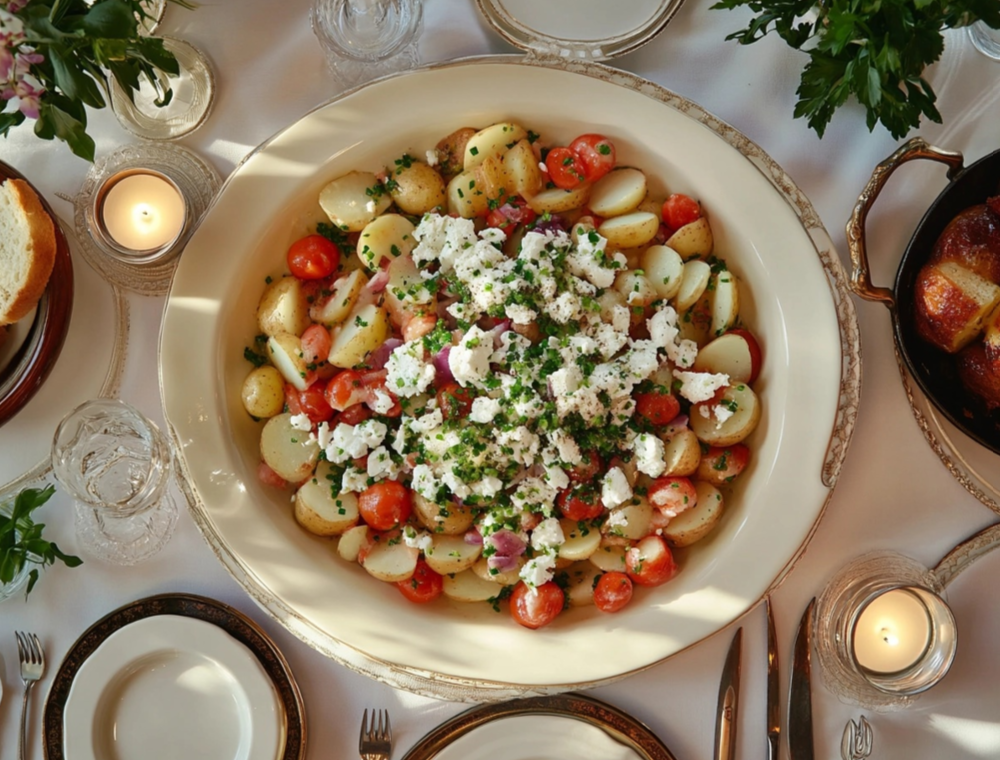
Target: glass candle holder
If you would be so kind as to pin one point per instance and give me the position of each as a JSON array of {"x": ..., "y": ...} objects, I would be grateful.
[
  {"x": 116, "y": 464},
  {"x": 884, "y": 633},
  {"x": 366, "y": 39}
]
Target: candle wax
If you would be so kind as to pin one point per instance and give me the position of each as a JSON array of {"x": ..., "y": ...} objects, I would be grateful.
[
  {"x": 143, "y": 212},
  {"x": 892, "y": 632}
]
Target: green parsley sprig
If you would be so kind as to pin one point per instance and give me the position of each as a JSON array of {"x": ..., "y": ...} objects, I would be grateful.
[
  {"x": 874, "y": 50},
  {"x": 21, "y": 539}
]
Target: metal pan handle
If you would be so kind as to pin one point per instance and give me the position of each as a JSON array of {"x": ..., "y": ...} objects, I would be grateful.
[{"x": 861, "y": 281}]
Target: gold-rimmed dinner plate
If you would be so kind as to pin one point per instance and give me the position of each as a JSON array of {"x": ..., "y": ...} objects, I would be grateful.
[
  {"x": 561, "y": 727},
  {"x": 178, "y": 672}
]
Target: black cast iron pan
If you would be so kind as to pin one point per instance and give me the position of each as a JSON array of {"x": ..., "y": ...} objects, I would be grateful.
[{"x": 935, "y": 371}]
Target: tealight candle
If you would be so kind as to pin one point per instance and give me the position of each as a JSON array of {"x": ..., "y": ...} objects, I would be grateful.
[
  {"x": 141, "y": 210},
  {"x": 892, "y": 632}
]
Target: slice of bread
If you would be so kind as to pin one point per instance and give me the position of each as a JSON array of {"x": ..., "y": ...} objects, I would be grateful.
[
  {"x": 27, "y": 249},
  {"x": 952, "y": 304}
]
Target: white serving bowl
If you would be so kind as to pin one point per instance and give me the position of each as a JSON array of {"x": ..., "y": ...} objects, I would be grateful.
[{"x": 794, "y": 300}]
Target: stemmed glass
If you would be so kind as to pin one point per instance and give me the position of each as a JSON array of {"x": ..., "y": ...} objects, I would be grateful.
[{"x": 116, "y": 464}]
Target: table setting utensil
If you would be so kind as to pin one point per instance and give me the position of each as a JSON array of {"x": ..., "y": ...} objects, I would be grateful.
[
  {"x": 800, "y": 726},
  {"x": 32, "y": 661},
  {"x": 727, "y": 707},
  {"x": 857, "y": 741},
  {"x": 773, "y": 703},
  {"x": 375, "y": 742},
  {"x": 195, "y": 310}
]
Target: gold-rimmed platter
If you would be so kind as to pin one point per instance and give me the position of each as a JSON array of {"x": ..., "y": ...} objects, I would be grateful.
[
  {"x": 173, "y": 609},
  {"x": 560, "y": 727},
  {"x": 798, "y": 302}
]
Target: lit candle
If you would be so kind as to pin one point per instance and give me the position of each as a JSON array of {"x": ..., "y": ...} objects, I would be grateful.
[
  {"x": 142, "y": 210},
  {"x": 893, "y": 632}
]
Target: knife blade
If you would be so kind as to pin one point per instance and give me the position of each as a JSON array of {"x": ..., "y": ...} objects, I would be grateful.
[
  {"x": 773, "y": 688},
  {"x": 727, "y": 709},
  {"x": 800, "y": 726}
]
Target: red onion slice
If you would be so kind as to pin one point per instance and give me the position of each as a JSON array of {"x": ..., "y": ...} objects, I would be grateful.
[
  {"x": 380, "y": 355},
  {"x": 444, "y": 374}
]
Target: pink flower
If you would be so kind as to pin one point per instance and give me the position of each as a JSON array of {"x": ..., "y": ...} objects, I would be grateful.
[
  {"x": 15, "y": 5},
  {"x": 24, "y": 62},
  {"x": 29, "y": 98}
]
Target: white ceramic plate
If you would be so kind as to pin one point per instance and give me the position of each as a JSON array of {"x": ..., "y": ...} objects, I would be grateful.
[
  {"x": 172, "y": 686},
  {"x": 795, "y": 301}
]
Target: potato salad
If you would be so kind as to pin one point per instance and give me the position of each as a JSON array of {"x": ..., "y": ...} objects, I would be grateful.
[{"x": 506, "y": 371}]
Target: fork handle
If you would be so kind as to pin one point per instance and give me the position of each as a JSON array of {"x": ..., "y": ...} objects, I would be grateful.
[{"x": 23, "y": 739}]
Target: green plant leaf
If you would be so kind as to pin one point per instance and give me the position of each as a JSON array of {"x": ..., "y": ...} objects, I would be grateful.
[
  {"x": 67, "y": 127},
  {"x": 73, "y": 81},
  {"x": 112, "y": 19}
]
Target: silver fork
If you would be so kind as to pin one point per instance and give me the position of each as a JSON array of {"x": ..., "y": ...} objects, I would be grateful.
[
  {"x": 29, "y": 650},
  {"x": 376, "y": 739},
  {"x": 857, "y": 741}
]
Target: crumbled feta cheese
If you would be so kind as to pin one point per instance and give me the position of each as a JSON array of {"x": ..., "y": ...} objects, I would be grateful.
[
  {"x": 700, "y": 386},
  {"x": 456, "y": 485},
  {"x": 520, "y": 444},
  {"x": 722, "y": 413},
  {"x": 617, "y": 522},
  {"x": 417, "y": 539},
  {"x": 484, "y": 409},
  {"x": 409, "y": 372},
  {"x": 615, "y": 489},
  {"x": 565, "y": 308},
  {"x": 432, "y": 157},
  {"x": 424, "y": 482},
  {"x": 383, "y": 402},
  {"x": 488, "y": 487},
  {"x": 381, "y": 464},
  {"x": 649, "y": 451},
  {"x": 469, "y": 361},
  {"x": 556, "y": 477},
  {"x": 539, "y": 570},
  {"x": 371, "y": 207},
  {"x": 521, "y": 315},
  {"x": 569, "y": 450},
  {"x": 301, "y": 422},
  {"x": 428, "y": 422},
  {"x": 548, "y": 534},
  {"x": 354, "y": 480}
]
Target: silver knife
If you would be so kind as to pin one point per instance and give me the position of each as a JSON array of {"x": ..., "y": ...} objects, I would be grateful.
[
  {"x": 800, "y": 727},
  {"x": 773, "y": 689},
  {"x": 729, "y": 701}
]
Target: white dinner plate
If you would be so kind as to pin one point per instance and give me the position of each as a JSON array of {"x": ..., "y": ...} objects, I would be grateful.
[
  {"x": 795, "y": 299},
  {"x": 562, "y": 727},
  {"x": 168, "y": 687}
]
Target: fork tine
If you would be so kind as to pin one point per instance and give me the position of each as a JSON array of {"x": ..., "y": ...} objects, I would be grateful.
[
  {"x": 388, "y": 730},
  {"x": 364, "y": 730},
  {"x": 38, "y": 651}
]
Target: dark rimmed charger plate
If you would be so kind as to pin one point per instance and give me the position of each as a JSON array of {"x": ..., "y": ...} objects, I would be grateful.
[
  {"x": 232, "y": 621},
  {"x": 21, "y": 378},
  {"x": 621, "y": 726}
]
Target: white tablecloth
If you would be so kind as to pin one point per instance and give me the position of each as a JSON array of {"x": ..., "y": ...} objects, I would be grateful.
[{"x": 894, "y": 492}]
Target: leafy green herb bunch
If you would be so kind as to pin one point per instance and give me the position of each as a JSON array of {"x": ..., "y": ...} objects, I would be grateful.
[
  {"x": 875, "y": 50},
  {"x": 58, "y": 56},
  {"x": 21, "y": 541}
]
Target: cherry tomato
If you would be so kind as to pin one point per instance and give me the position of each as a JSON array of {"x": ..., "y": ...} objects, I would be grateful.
[
  {"x": 423, "y": 586},
  {"x": 680, "y": 209},
  {"x": 313, "y": 258},
  {"x": 315, "y": 344},
  {"x": 721, "y": 465},
  {"x": 354, "y": 415},
  {"x": 597, "y": 154},
  {"x": 660, "y": 407},
  {"x": 269, "y": 477},
  {"x": 345, "y": 389},
  {"x": 535, "y": 607},
  {"x": 589, "y": 466},
  {"x": 580, "y": 503},
  {"x": 514, "y": 211},
  {"x": 385, "y": 505},
  {"x": 311, "y": 402},
  {"x": 650, "y": 562},
  {"x": 672, "y": 494},
  {"x": 613, "y": 591},
  {"x": 565, "y": 168},
  {"x": 454, "y": 401}
]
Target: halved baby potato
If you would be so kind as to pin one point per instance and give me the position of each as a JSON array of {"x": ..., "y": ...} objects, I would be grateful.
[
  {"x": 283, "y": 308},
  {"x": 417, "y": 188},
  {"x": 363, "y": 332},
  {"x": 632, "y": 519},
  {"x": 285, "y": 352},
  {"x": 697, "y": 522},
  {"x": 693, "y": 240},
  {"x": 521, "y": 165},
  {"x": 630, "y": 230},
  {"x": 745, "y": 407},
  {"x": 451, "y": 554},
  {"x": 466, "y": 586},
  {"x": 664, "y": 268},
  {"x": 263, "y": 392},
  {"x": 388, "y": 237},
  {"x": 694, "y": 281},
  {"x": 287, "y": 450},
  {"x": 725, "y": 302},
  {"x": 465, "y": 197},
  {"x": 618, "y": 192},
  {"x": 352, "y": 201},
  {"x": 352, "y": 541},
  {"x": 580, "y": 542},
  {"x": 450, "y": 519},
  {"x": 608, "y": 557},
  {"x": 345, "y": 292},
  {"x": 321, "y": 508},
  {"x": 494, "y": 140},
  {"x": 581, "y": 577},
  {"x": 554, "y": 200},
  {"x": 391, "y": 562},
  {"x": 682, "y": 453}
]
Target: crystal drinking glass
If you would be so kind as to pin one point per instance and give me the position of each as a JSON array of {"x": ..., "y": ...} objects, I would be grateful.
[
  {"x": 116, "y": 464},
  {"x": 366, "y": 39}
]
